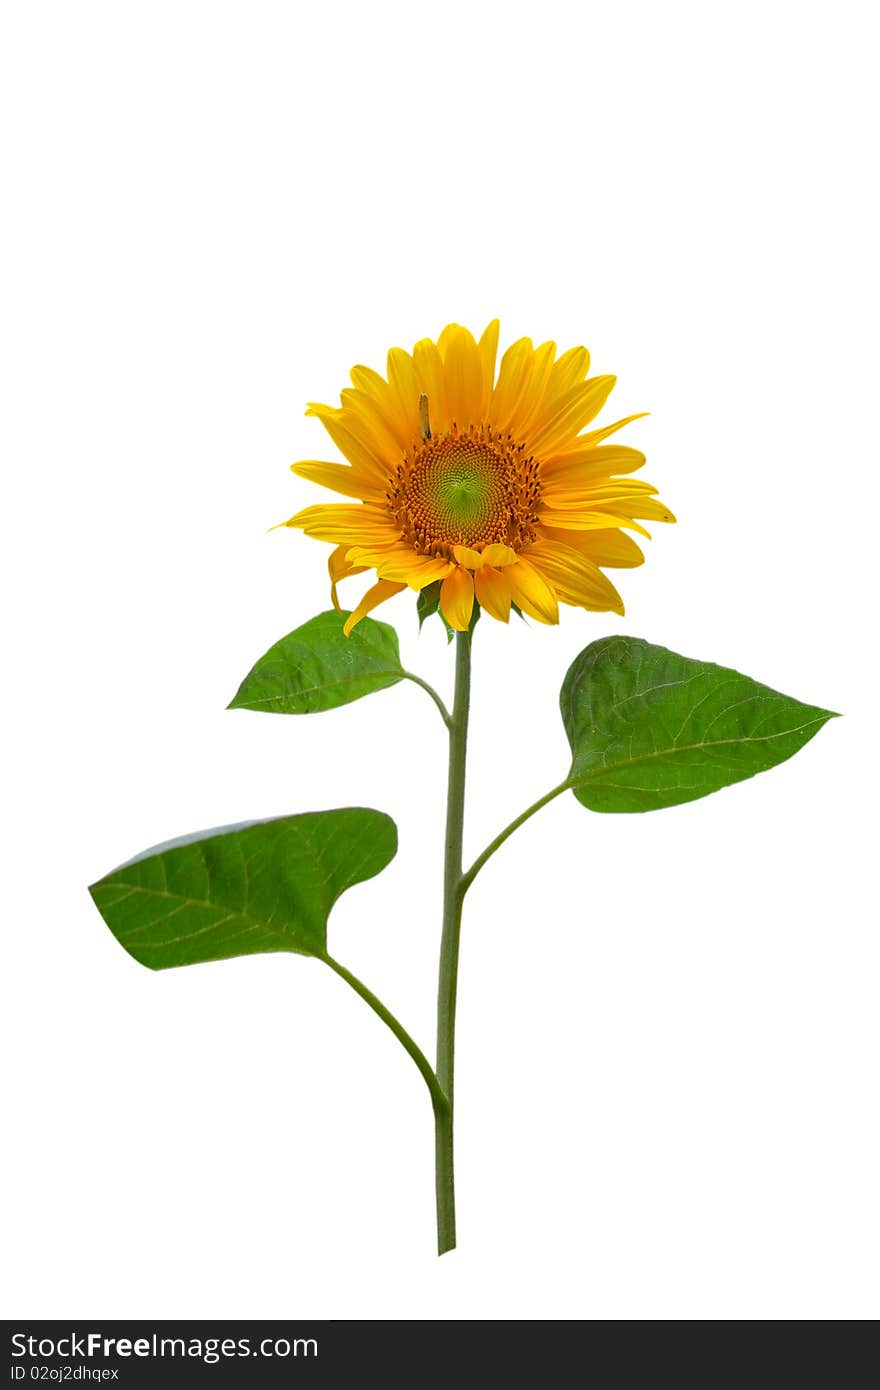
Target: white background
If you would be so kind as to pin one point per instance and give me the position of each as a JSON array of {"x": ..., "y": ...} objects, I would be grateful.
[{"x": 668, "y": 1024}]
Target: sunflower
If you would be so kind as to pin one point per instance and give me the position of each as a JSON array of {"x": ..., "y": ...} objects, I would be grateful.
[{"x": 484, "y": 487}]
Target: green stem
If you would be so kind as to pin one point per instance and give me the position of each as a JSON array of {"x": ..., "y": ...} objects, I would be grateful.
[
  {"x": 438, "y": 1098},
  {"x": 440, "y": 1082},
  {"x": 417, "y": 680},
  {"x": 447, "y": 985},
  {"x": 468, "y": 878}
]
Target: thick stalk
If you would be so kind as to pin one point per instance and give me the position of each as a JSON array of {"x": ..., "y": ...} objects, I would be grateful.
[{"x": 447, "y": 988}]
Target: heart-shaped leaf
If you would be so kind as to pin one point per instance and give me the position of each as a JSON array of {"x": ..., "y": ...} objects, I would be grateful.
[
  {"x": 317, "y": 667},
  {"x": 649, "y": 728},
  {"x": 266, "y": 886}
]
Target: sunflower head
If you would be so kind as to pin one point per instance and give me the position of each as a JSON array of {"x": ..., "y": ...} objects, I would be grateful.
[{"x": 488, "y": 484}]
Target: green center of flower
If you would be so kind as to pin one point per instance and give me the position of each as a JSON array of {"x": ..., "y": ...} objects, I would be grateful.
[
  {"x": 465, "y": 488},
  {"x": 460, "y": 491}
]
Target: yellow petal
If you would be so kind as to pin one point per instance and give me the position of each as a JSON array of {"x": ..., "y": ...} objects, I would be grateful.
[
  {"x": 513, "y": 376},
  {"x": 371, "y": 599},
  {"x": 373, "y": 424},
  {"x": 387, "y": 402},
  {"x": 650, "y": 508},
  {"x": 531, "y": 592},
  {"x": 404, "y": 381},
  {"x": 619, "y": 491},
  {"x": 570, "y": 368},
  {"x": 348, "y": 442},
  {"x": 493, "y": 592},
  {"x": 471, "y": 559},
  {"x": 457, "y": 599},
  {"x": 340, "y": 523},
  {"x": 531, "y": 404},
  {"x": 411, "y": 569},
  {"x": 340, "y": 477},
  {"x": 432, "y": 381},
  {"x": 589, "y": 463},
  {"x": 488, "y": 350},
  {"x": 371, "y": 552},
  {"x": 369, "y": 380},
  {"x": 432, "y": 571},
  {"x": 340, "y": 568},
  {"x": 613, "y": 549},
  {"x": 576, "y": 579},
  {"x": 595, "y": 436},
  {"x": 463, "y": 373},
  {"x": 574, "y": 410},
  {"x": 587, "y": 520},
  {"x": 498, "y": 555}
]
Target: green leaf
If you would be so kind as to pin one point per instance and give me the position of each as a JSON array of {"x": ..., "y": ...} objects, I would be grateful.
[
  {"x": 242, "y": 890},
  {"x": 317, "y": 667},
  {"x": 649, "y": 728},
  {"x": 428, "y": 601}
]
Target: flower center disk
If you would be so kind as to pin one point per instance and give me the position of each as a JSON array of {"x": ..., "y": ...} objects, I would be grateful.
[{"x": 471, "y": 487}]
